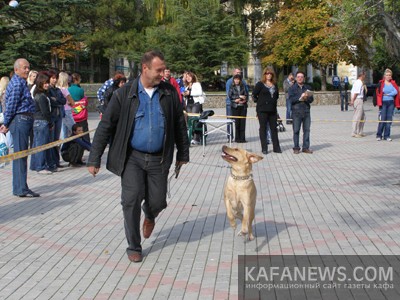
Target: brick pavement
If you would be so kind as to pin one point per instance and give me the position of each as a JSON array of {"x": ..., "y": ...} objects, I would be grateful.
[{"x": 69, "y": 243}]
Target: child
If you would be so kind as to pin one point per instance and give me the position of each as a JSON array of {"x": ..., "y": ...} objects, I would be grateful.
[{"x": 72, "y": 151}]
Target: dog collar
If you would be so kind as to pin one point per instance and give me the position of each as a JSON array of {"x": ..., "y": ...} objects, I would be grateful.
[{"x": 247, "y": 177}]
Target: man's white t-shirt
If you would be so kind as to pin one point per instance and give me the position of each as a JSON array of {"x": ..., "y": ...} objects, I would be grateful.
[{"x": 357, "y": 89}]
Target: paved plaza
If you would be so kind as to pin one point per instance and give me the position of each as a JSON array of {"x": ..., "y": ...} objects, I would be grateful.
[{"x": 70, "y": 242}]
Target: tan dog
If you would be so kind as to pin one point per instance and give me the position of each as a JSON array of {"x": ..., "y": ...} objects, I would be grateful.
[{"x": 240, "y": 190}]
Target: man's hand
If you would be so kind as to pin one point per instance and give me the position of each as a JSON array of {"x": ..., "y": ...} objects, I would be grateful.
[
  {"x": 178, "y": 166},
  {"x": 93, "y": 170},
  {"x": 3, "y": 129}
]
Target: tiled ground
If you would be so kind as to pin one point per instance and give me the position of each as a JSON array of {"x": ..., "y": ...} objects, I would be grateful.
[{"x": 69, "y": 243}]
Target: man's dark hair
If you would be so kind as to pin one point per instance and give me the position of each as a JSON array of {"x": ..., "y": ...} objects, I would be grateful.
[
  {"x": 148, "y": 57},
  {"x": 75, "y": 127},
  {"x": 301, "y": 72}
]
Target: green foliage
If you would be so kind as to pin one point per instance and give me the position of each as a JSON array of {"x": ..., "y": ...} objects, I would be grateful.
[
  {"x": 200, "y": 40},
  {"x": 317, "y": 82},
  {"x": 302, "y": 34},
  {"x": 32, "y": 28}
]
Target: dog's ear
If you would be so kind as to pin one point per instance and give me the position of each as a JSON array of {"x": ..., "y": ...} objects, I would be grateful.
[{"x": 253, "y": 158}]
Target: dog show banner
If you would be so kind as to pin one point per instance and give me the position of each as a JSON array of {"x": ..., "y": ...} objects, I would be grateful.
[{"x": 319, "y": 277}]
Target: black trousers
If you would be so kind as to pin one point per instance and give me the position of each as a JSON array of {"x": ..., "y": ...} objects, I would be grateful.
[
  {"x": 240, "y": 123},
  {"x": 144, "y": 179},
  {"x": 74, "y": 153},
  {"x": 271, "y": 118}
]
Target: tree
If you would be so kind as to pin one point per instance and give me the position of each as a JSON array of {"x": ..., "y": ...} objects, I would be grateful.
[
  {"x": 32, "y": 29},
  {"x": 304, "y": 33},
  {"x": 200, "y": 39},
  {"x": 373, "y": 27}
]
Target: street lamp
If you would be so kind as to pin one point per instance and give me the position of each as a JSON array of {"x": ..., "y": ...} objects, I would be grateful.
[{"x": 13, "y": 3}]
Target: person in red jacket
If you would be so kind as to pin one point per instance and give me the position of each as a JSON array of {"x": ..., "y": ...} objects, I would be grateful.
[
  {"x": 171, "y": 80},
  {"x": 387, "y": 98}
]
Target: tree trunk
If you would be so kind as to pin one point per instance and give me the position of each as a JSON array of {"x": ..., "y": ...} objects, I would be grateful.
[
  {"x": 76, "y": 63},
  {"x": 323, "y": 77},
  {"x": 392, "y": 35},
  {"x": 91, "y": 74},
  {"x": 132, "y": 70}
]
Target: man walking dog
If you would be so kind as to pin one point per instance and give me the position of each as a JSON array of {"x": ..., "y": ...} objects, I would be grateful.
[{"x": 144, "y": 120}]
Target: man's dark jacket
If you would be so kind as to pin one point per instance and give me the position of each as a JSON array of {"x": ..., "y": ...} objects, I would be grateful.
[
  {"x": 117, "y": 124},
  {"x": 295, "y": 91}
]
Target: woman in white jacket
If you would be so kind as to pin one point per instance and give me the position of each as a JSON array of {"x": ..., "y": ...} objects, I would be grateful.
[{"x": 193, "y": 97}]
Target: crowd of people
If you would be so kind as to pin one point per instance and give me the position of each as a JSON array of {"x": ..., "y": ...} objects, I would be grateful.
[
  {"x": 39, "y": 108},
  {"x": 144, "y": 121}
]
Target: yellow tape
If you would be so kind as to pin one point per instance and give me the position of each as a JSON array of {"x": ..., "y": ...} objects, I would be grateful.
[
  {"x": 313, "y": 120},
  {"x": 25, "y": 153}
]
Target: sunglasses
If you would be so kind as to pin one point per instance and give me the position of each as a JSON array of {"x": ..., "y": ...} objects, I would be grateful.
[{"x": 268, "y": 73}]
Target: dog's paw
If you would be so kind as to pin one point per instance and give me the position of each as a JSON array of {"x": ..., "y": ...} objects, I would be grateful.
[
  {"x": 233, "y": 225},
  {"x": 241, "y": 233}
]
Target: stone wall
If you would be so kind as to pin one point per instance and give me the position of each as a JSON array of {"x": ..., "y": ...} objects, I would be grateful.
[{"x": 218, "y": 100}]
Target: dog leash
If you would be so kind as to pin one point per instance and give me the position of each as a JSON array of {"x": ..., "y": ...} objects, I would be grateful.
[
  {"x": 178, "y": 169},
  {"x": 176, "y": 174}
]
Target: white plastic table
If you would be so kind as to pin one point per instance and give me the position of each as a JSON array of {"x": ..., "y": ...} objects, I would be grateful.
[{"x": 218, "y": 125}]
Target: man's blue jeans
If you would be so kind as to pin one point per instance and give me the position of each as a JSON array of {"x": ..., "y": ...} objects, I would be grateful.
[
  {"x": 20, "y": 128},
  {"x": 344, "y": 103},
  {"x": 41, "y": 136},
  {"x": 301, "y": 117},
  {"x": 386, "y": 115},
  {"x": 288, "y": 111}
]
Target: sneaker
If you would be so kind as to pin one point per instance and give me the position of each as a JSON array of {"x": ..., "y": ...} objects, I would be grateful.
[
  {"x": 44, "y": 172},
  {"x": 378, "y": 139},
  {"x": 194, "y": 142},
  {"x": 389, "y": 139}
]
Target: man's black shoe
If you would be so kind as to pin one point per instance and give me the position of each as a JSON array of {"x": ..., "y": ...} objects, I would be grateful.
[{"x": 29, "y": 194}]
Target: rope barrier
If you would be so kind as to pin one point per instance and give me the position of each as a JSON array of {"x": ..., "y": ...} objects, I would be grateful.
[
  {"x": 25, "y": 153},
  {"x": 313, "y": 120}
]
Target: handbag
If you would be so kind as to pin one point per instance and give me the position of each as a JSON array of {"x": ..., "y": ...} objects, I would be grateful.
[
  {"x": 3, "y": 148},
  {"x": 79, "y": 110}
]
